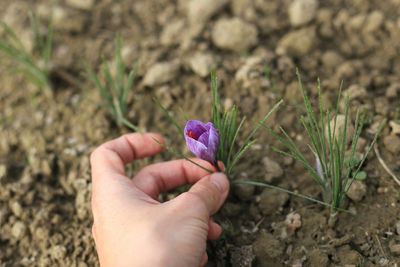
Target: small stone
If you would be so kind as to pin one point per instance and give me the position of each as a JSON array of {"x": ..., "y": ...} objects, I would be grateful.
[
  {"x": 318, "y": 258},
  {"x": 81, "y": 4},
  {"x": 357, "y": 191},
  {"x": 200, "y": 12},
  {"x": 172, "y": 32},
  {"x": 374, "y": 21},
  {"x": 3, "y": 171},
  {"x": 234, "y": 34},
  {"x": 392, "y": 143},
  {"x": 340, "y": 121},
  {"x": 394, "y": 125},
  {"x": 356, "y": 91},
  {"x": 297, "y": 43},
  {"x": 331, "y": 59},
  {"x": 302, "y": 11},
  {"x": 395, "y": 249},
  {"x": 242, "y": 256},
  {"x": 252, "y": 69},
  {"x": 244, "y": 191},
  {"x": 16, "y": 208},
  {"x": 393, "y": 90},
  {"x": 398, "y": 227},
  {"x": 272, "y": 169},
  {"x": 202, "y": 64},
  {"x": 58, "y": 252},
  {"x": 18, "y": 230},
  {"x": 272, "y": 200},
  {"x": 293, "y": 221},
  {"x": 161, "y": 73}
]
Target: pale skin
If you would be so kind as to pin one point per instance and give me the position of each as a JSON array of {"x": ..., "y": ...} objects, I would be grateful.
[{"x": 131, "y": 227}]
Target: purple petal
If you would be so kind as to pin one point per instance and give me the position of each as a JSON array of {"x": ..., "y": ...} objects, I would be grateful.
[
  {"x": 213, "y": 140},
  {"x": 196, "y": 127}
]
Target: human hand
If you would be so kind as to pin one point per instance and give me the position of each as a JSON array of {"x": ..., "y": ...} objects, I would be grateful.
[{"x": 131, "y": 227}]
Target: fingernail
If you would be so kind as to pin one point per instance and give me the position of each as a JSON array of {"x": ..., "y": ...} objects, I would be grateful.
[{"x": 220, "y": 181}]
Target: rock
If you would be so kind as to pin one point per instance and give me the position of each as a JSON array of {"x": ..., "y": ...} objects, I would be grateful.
[
  {"x": 272, "y": 200},
  {"x": 252, "y": 69},
  {"x": 397, "y": 227},
  {"x": 161, "y": 73},
  {"x": 200, "y": 12},
  {"x": 272, "y": 169},
  {"x": 349, "y": 256},
  {"x": 297, "y": 43},
  {"x": 393, "y": 90},
  {"x": 373, "y": 22},
  {"x": 392, "y": 143},
  {"x": 331, "y": 59},
  {"x": 356, "y": 91},
  {"x": 18, "y": 230},
  {"x": 394, "y": 125},
  {"x": 172, "y": 33},
  {"x": 81, "y": 4},
  {"x": 16, "y": 208},
  {"x": 58, "y": 252},
  {"x": 3, "y": 171},
  {"x": 268, "y": 249},
  {"x": 318, "y": 258},
  {"x": 395, "y": 249},
  {"x": 357, "y": 191},
  {"x": 293, "y": 221},
  {"x": 242, "y": 256},
  {"x": 234, "y": 34},
  {"x": 302, "y": 11},
  {"x": 244, "y": 191},
  {"x": 202, "y": 64},
  {"x": 340, "y": 121}
]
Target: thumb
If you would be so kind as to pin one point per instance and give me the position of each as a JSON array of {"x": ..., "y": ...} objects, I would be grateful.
[{"x": 212, "y": 191}]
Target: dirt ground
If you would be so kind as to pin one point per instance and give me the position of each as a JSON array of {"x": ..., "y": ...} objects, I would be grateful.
[{"x": 255, "y": 45}]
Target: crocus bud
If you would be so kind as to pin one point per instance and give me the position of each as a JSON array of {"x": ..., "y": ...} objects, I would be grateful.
[{"x": 202, "y": 140}]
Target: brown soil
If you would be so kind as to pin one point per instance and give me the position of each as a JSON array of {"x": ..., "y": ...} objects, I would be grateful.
[{"x": 45, "y": 140}]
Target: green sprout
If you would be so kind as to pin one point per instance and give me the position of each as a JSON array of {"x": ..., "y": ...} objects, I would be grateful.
[
  {"x": 229, "y": 125},
  {"x": 34, "y": 66},
  {"x": 335, "y": 166},
  {"x": 114, "y": 90}
]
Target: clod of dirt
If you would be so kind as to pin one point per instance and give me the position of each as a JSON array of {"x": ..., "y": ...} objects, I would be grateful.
[
  {"x": 357, "y": 191},
  {"x": 62, "y": 19},
  {"x": 331, "y": 59},
  {"x": 268, "y": 250},
  {"x": 81, "y": 4},
  {"x": 302, "y": 11},
  {"x": 340, "y": 121},
  {"x": 272, "y": 200},
  {"x": 200, "y": 12},
  {"x": 252, "y": 69},
  {"x": 356, "y": 91},
  {"x": 394, "y": 125},
  {"x": 3, "y": 171},
  {"x": 202, "y": 63},
  {"x": 242, "y": 256},
  {"x": 393, "y": 90},
  {"x": 161, "y": 73},
  {"x": 318, "y": 258},
  {"x": 272, "y": 169},
  {"x": 234, "y": 34},
  {"x": 349, "y": 256},
  {"x": 16, "y": 208},
  {"x": 244, "y": 191},
  {"x": 172, "y": 32},
  {"x": 373, "y": 21},
  {"x": 392, "y": 143},
  {"x": 297, "y": 43},
  {"x": 58, "y": 252},
  {"x": 394, "y": 248},
  {"x": 18, "y": 230}
]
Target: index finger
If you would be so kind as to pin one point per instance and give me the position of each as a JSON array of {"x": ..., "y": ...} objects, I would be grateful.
[{"x": 112, "y": 156}]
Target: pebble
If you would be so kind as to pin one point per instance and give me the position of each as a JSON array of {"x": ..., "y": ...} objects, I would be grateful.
[
  {"x": 18, "y": 230},
  {"x": 356, "y": 91},
  {"x": 357, "y": 191},
  {"x": 252, "y": 68},
  {"x": 393, "y": 90},
  {"x": 272, "y": 200},
  {"x": 58, "y": 252},
  {"x": 331, "y": 59},
  {"x": 395, "y": 249},
  {"x": 297, "y": 43},
  {"x": 81, "y": 4},
  {"x": 393, "y": 125},
  {"x": 3, "y": 171},
  {"x": 318, "y": 258},
  {"x": 302, "y": 11},
  {"x": 172, "y": 32},
  {"x": 293, "y": 221},
  {"x": 373, "y": 22},
  {"x": 16, "y": 208},
  {"x": 199, "y": 12},
  {"x": 340, "y": 121},
  {"x": 161, "y": 73},
  {"x": 244, "y": 191},
  {"x": 272, "y": 169},
  {"x": 202, "y": 64},
  {"x": 392, "y": 143},
  {"x": 267, "y": 247},
  {"x": 234, "y": 34}
]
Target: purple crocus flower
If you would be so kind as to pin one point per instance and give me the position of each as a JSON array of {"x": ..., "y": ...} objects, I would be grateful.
[{"x": 202, "y": 140}]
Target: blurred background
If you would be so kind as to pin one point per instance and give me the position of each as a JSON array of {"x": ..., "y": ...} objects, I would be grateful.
[{"x": 53, "y": 114}]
